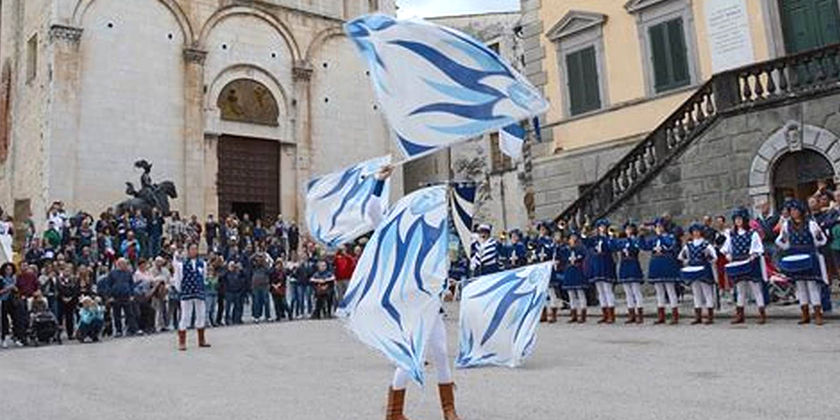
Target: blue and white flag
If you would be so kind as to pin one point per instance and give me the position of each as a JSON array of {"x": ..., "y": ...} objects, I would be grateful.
[
  {"x": 499, "y": 316},
  {"x": 394, "y": 296},
  {"x": 463, "y": 210},
  {"x": 511, "y": 139},
  {"x": 438, "y": 86},
  {"x": 336, "y": 203}
]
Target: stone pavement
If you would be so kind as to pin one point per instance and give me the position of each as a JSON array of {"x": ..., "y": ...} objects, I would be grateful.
[{"x": 315, "y": 370}]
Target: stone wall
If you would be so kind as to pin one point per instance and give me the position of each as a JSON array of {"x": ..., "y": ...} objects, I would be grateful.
[
  {"x": 726, "y": 166},
  {"x": 559, "y": 179}
]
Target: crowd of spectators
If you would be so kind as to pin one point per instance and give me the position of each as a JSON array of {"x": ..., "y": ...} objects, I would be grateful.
[{"x": 113, "y": 275}]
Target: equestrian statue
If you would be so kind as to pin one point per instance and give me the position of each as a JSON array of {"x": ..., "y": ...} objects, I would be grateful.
[{"x": 150, "y": 195}]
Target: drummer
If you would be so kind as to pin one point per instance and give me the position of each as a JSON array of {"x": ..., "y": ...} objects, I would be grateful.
[
  {"x": 630, "y": 274},
  {"x": 663, "y": 270},
  {"x": 745, "y": 252},
  {"x": 800, "y": 238},
  {"x": 698, "y": 256}
]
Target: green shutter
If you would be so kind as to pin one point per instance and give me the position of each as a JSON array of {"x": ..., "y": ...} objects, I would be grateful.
[
  {"x": 679, "y": 54},
  {"x": 582, "y": 79},
  {"x": 659, "y": 56},
  {"x": 669, "y": 55},
  {"x": 590, "y": 79}
]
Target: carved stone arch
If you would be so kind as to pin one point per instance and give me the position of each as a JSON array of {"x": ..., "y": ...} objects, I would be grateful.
[
  {"x": 270, "y": 19},
  {"x": 792, "y": 137},
  {"x": 213, "y": 115},
  {"x": 320, "y": 39},
  {"x": 82, "y": 7}
]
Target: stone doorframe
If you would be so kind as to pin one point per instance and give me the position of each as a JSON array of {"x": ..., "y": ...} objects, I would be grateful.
[{"x": 792, "y": 137}]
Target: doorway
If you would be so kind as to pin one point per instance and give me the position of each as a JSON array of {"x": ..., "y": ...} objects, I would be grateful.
[
  {"x": 249, "y": 177},
  {"x": 795, "y": 175}
]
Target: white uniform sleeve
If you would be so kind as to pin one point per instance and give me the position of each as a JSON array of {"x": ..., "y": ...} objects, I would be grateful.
[
  {"x": 376, "y": 210},
  {"x": 820, "y": 239},
  {"x": 683, "y": 254},
  {"x": 756, "y": 246},
  {"x": 782, "y": 240},
  {"x": 710, "y": 251},
  {"x": 178, "y": 266},
  {"x": 726, "y": 249}
]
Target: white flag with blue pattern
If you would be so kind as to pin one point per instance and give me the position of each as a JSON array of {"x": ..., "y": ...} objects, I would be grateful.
[
  {"x": 499, "y": 316},
  {"x": 336, "y": 203},
  {"x": 511, "y": 139},
  {"x": 438, "y": 86},
  {"x": 393, "y": 298},
  {"x": 463, "y": 210}
]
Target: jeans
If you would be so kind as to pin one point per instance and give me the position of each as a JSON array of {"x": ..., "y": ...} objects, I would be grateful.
[
  {"x": 260, "y": 303},
  {"x": 162, "y": 314},
  {"x": 220, "y": 309},
  {"x": 123, "y": 307},
  {"x": 300, "y": 304},
  {"x": 210, "y": 300},
  {"x": 67, "y": 310},
  {"x": 233, "y": 307},
  {"x": 154, "y": 245}
]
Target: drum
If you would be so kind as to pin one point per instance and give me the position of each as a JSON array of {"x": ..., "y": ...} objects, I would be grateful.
[
  {"x": 739, "y": 268},
  {"x": 796, "y": 263},
  {"x": 693, "y": 272}
]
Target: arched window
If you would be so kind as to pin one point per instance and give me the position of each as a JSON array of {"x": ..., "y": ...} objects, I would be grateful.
[{"x": 248, "y": 101}]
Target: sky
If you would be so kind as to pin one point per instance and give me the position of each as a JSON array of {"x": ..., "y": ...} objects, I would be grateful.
[{"x": 427, "y": 8}]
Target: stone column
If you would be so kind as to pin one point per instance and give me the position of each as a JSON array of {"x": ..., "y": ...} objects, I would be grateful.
[
  {"x": 191, "y": 190},
  {"x": 302, "y": 127},
  {"x": 63, "y": 115}
]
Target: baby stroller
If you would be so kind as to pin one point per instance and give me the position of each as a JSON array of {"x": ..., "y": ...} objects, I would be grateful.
[
  {"x": 44, "y": 329},
  {"x": 779, "y": 286}
]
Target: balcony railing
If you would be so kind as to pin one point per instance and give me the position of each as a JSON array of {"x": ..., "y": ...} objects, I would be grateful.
[{"x": 769, "y": 83}]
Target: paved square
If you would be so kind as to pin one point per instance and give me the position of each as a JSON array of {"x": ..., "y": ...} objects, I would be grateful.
[{"x": 317, "y": 371}]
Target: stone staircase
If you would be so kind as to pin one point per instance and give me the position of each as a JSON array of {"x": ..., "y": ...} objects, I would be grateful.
[{"x": 771, "y": 83}]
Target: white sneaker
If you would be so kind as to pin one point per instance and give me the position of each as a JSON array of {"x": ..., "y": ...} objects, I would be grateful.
[
  {"x": 5, "y": 344},
  {"x": 18, "y": 343}
]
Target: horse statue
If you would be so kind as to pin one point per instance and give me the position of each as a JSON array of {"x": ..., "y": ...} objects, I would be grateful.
[{"x": 150, "y": 195}]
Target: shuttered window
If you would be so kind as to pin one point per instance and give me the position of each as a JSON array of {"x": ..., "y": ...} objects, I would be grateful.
[
  {"x": 582, "y": 79},
  {"x": 669, "y": 55}
]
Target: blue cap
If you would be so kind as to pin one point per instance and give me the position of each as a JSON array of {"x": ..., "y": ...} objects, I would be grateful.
[
  {"x": 602, "y": 222},
  {"x": 695, "y": 227},
  {"x": 741, "y": 212},
  {"x": 795, "y": 204}
]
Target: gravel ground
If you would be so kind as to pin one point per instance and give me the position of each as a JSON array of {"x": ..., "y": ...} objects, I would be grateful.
[{"x": 315, "y": 370}]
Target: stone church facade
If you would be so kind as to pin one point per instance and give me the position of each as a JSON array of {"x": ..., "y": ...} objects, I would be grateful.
[{"x": 238, "y": 102}]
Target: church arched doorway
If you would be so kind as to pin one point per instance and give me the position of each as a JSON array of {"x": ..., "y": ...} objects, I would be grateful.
[
  {"x": 795, "y": 175},
  {"x": 249, "y": 168}
]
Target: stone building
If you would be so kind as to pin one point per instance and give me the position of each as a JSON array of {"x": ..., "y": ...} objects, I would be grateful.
[
  {"x": 500, "y": 197},
  {"x": 684, "y": 106},
  {"x": 238, "y": 102}
]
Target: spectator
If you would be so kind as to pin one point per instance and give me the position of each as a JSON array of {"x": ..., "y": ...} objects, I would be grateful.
[
  {"x": 8, "y": 309},
  {"x": 155, "y": 232},
  {"x": 27, "y": 281},
  {"x": 52, "y": 236},
  {"x": 344, "y": 264},
  {"x": 130, "y": 248},
  {"x": 235, "y": 287},
  {"x": 323, "y": 281},
  {"x": 162, "y": 278},
  {"x": 211, "y": 231},
  {"x": 293, "y": 235},
  {"x": 211, "y": 288},
  {"x": 143, "y": 292},
  {"x": 260, "y": 282},
  {"x": 68, "y": 299},
  {"x": 278, "y": 291},
  {"x": 120, "y": 286},
  {"x": 91, "y": 320}
]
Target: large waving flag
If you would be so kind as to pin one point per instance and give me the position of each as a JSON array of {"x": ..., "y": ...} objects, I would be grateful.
[
  {"x": 336, "y": 203},
  {"x": 511, "y": 139},
  {"x": 499, "y": 316},
  {"x": 394, "y": 295},
  {"x": 438, "y": 86},
  {"x": 463, "y": 210}
]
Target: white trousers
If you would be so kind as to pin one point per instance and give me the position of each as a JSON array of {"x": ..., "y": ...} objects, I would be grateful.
[
  {"x": 554, "y": 300},
  {"x": 704, "y": 295},
  {"x": 606, "y": 297},
  {"x": 662, "y": 289},
  {"x": 743, "y": 286},
  {"x": 577, "y": 299},
  {"x": 187, "y": 308},
  {"x": 437, "y": 353},
  {"x": 808, "y": 292},
  {"x": 633, "y": 293}
]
